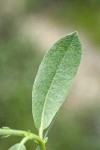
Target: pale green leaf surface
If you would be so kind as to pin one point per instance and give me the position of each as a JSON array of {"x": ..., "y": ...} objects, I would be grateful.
[
  {"x": 54, "y": 78},
  {"x": 38, "y": 148},
  {"x": 16, "y": 147}
]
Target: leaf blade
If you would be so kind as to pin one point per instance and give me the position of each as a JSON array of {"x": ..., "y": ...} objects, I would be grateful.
[
  {"x": 54, "y": 78},
  {"x": 38, "y": 148},
  {"x": 16, "y": 146}
]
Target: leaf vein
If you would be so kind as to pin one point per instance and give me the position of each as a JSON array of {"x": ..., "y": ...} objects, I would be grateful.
[{"x": 41, "y": 126}]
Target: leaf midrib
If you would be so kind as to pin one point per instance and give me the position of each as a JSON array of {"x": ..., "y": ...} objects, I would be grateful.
[{"x": 41, "y": 126}]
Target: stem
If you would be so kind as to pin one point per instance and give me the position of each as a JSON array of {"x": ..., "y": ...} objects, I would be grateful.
[
  {"x": 42, "y": 146},
  {"x": 10, "y": 132},
  {"x": 24, "y": 140},
  {"x": 41, "y": 133}
]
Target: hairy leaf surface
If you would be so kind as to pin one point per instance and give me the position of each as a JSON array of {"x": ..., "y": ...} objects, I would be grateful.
[
  {"x": 54, "y": 78},
  {"x": 38, "y": 148},
  {"x": 16, "y": 147}
]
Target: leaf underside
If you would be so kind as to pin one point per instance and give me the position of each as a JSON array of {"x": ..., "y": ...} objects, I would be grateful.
[
  {"x": 38, "y": 148},
  {"x": 54, "y": 78},
  {"x": 16, "y": 147}
]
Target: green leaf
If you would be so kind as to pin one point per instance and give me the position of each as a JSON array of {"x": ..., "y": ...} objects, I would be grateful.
[
  {"x": 16, "y": 147},
  {"x": 54, "y": 78},
  {"x": 38, "y": 148}
]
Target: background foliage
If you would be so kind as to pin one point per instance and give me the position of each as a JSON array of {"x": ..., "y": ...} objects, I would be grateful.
[{"x": 20, "y": 57}]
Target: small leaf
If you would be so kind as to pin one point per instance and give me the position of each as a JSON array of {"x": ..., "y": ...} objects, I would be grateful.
[
  {"x": 5, "y": 136},
  {"x": 7, "y": 128},
  {"x": 16, "y": 146},
  {"x": 46, "y": 139},
  {"x": 54, "y": 78},
  {"x": 38, "y": 148}
]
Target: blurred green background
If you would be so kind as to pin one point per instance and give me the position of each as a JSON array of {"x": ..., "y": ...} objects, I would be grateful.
[{"x": 27, "y": 29}]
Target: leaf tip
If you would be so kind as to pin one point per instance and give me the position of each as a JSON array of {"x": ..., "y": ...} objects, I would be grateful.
[{"x": 75, "y": 33}]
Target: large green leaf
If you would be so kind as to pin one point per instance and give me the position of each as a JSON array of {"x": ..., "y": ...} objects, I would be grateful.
[
  {"x": 54, "y": 78},
  {"x": 16, "y": 147}
]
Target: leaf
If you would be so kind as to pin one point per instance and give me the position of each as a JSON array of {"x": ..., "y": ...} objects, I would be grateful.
[
  {"x": 38, "y": 148},
  {"x": 5, "y": 136},
  {"x": 54, "y": 78},
  {"x": 7, "y": 128},
  {"x": 16, "y": 146}
]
